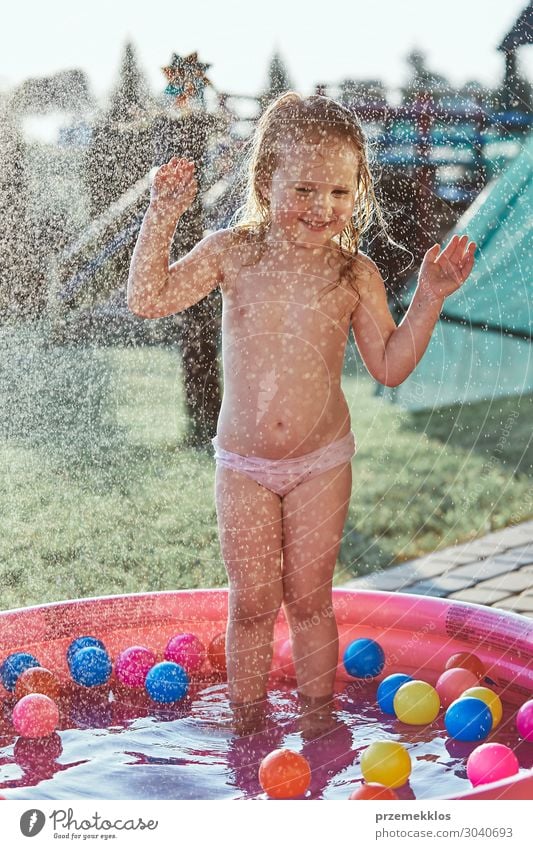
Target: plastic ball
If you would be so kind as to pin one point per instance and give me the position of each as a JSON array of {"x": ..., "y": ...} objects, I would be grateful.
[
  {"x": 453, "y": 683},
  {"x": 524, "y": 721},
  {"x": 416, "y": 703},
  {"x": 464, "y": 660},
  {"x": 186, "y": 650},
  {"x": 216, "y": 652},
  {"x": 364, "y": 658},
  {"x": 388, "y": 689},
  {"x": 491, "y": 699},
  {"x": 468, "y": 719},
  {"x": 284, "y": 774},
  {"x": 491, "y": 762},
  {"x": 91, "y": 666},
  {"x": 36, "y": 679},
  {"x": 133, "y": 664},
  {"x": 14, "y": 665},
  {"x": 386, "y": 762},
  {"x": 82, "y": 643},
  {"x": 35, "y": 715},
  {"x": 37, "y": 755},
  {"x": 373, "y": 791},
  {"x": 167, "y": 682}
]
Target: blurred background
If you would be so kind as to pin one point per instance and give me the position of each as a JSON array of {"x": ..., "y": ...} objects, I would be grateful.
[{"x": 105, "y": 419}]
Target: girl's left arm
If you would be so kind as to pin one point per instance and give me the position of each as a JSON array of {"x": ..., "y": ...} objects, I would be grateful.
[{"x": 391, "y": 353}]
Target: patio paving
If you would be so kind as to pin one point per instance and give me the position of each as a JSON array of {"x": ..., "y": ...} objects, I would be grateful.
[{"x": 494, "y": 570}]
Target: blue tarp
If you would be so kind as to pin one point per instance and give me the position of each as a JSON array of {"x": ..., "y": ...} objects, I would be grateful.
[{"x": 481, "y": 347}]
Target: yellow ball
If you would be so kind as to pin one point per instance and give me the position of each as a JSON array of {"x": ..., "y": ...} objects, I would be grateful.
[
  {"x": 386, "y": 762},
  {"x": 491, "y": 699},
  {"x": 416, "y": 703}
]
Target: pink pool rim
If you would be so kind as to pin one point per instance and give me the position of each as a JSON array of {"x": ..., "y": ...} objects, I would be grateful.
[{"x": 417, "y": 633}]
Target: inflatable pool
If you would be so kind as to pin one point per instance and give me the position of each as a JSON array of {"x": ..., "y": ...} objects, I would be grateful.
[{"x": 418, "y": 635}]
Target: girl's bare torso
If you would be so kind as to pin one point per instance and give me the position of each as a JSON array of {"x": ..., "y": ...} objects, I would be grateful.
[{"x": 283, "y": 351}]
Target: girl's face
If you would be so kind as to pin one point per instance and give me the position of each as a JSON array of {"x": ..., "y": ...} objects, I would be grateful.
[{"x": 313, "y": 189}]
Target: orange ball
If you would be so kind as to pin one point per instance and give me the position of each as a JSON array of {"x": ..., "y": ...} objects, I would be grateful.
[
  {"x": 452, "y": 684},
  {"x": 216, "y": 652},
  {"x": 37, "y": 680},
  {"x": 373, "y": 791},
  {"x": 284, "y": 774},
  {"x": 466, "y": 661}
]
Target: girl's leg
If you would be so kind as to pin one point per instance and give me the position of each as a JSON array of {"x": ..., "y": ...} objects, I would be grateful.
[
  {"x": 314, "y": 514},
  {"x": 249, "y": 524}
]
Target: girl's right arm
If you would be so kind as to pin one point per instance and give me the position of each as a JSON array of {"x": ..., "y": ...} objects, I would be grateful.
[{"x": 155, "y": 289}]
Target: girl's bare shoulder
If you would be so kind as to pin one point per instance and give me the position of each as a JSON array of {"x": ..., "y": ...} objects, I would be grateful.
[{"x": 242, "y": 247}]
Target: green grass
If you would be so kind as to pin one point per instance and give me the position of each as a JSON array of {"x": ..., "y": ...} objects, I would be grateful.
[{"x": 98, "y": 497}]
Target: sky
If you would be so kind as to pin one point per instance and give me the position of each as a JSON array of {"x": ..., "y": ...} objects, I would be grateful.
[{"x": 319, "y": 42}]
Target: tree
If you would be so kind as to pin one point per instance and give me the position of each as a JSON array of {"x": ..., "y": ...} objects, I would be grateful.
[
  {"x": 278, "y": 81},
  {"x": 130, "y": 98},
  {"x": 21, "y": 279}
]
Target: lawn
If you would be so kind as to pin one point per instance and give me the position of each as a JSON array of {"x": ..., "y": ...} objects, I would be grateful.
[{"x": 98, "y": 497}]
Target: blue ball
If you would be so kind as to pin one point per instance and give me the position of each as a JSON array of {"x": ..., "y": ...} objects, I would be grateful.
[
  {"x": 167, "y": 682},
  {"x": 14, "y": 665},
  {"x": 91, "y": 666},
  {"x": 364, "y": 658},
  {"x": 388, "y": 689},
  {"x": 468, "y": 719},
  {"x": 82, "y": 643}
]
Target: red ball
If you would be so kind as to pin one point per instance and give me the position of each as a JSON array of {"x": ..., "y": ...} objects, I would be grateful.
[
  {"x": 187, "y": 651},
  {"x": 216, "y": 652},
  {"x": 133, "y": 664},
  {"x": 284, "y": 774},
  {"x": 35, "y": 715},
  {"x": 452, "y": 684},
  {"x": 36, "y": 679},
  {"x": 372, "y": 790},
  {"x": 464, "y": 660}
]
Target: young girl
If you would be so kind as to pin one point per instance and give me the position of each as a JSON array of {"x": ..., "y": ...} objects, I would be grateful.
[{"x": 293, "y": 282}]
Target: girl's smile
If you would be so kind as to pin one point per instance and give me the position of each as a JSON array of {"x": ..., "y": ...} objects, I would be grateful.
[{"x": 313, "y": 193}]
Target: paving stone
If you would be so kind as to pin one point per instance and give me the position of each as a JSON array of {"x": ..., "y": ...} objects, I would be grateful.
[
  {"x": 522, "y": 553},
  {"x": 518, "y": 603},
  {"x": 441, "y": 585},
  {"x": 430, "y": 568},
  {"x": 478, "y": 595},
  {"x": 381, "y": 581},
  {"x": 519, "y": 536},
  {"x": 483, "y": 569},
  {"x": 513, "y": 582},
  {"x": 426, "y": 588},
  {"x": 480, "y": 548},
  {"x": 455, "y": 556}
]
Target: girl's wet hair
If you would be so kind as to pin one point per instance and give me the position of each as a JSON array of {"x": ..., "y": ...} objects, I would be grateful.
[{"x": 294, "y": 119}]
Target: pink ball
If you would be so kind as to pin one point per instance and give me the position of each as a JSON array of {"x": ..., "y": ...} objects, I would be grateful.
[
  {"x": 133, "y": 664},
  {"x": 524, "y": 721},
  {"x": 187, "y": 651},
  {"x": 452, "y": 684},
  {"x": 491, "y": 762},
  {"x": 35, "y": 715}
]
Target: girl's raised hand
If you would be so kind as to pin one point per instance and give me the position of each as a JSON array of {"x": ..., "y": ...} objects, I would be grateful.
[
  {"x": 443, "y": 272},
  {"x": 174, "y": 186}
]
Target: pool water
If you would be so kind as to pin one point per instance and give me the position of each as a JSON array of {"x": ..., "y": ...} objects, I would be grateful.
[{"x": 118, "y": 745}]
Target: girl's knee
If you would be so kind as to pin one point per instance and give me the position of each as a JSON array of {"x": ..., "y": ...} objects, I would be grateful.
[
  {"x": 309, "y": 608},
  {"x": 253, "y": 606}
]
